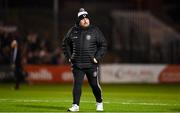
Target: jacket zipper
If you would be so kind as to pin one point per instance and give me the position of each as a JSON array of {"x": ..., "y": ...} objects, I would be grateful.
[{"x": 81, "y": 45}]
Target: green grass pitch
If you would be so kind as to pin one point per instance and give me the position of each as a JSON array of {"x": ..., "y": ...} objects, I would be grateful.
[{"x": 117, "y": 98}]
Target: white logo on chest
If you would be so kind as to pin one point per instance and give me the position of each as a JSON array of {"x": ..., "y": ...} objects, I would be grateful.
[
  {"x": 75, "y": 37},
  {"x": 88, "y": 37}
]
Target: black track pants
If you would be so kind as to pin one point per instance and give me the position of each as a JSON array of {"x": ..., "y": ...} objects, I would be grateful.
[{"x": 92, "y": 76}]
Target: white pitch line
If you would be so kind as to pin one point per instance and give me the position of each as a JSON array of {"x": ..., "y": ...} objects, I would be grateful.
[
  {"x": 150, "y": 104},
  {"x": 106, "y": 102},
  {"x": 86, "y": 112}
]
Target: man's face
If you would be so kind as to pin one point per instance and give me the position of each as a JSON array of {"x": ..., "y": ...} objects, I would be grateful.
[{"x": 84, "y": 22}]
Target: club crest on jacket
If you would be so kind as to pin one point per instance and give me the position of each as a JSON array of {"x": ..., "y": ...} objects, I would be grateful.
[
  {"x": 75, "y": 37},
  {"x": 88, "y": 37}
]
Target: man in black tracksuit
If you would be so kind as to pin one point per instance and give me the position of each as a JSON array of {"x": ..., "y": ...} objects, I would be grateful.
[{"x": 84, "y": 45}]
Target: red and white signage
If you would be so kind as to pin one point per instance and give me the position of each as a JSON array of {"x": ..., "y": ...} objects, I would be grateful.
[
  {"x": 110, "y": 73},
  {"x": 171, "y": 74},
  {"x": 49, "y": 73},
  {"x": 140, "y": 73}
]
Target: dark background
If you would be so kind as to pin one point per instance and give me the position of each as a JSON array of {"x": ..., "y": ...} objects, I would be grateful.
[{"x": 137, "y": 31}]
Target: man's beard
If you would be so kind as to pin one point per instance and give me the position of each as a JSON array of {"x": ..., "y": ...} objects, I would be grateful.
[{"x": 85, "y": 25}]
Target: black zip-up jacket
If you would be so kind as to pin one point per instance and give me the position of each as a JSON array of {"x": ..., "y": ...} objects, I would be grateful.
[{"x": 82, "y": 45}]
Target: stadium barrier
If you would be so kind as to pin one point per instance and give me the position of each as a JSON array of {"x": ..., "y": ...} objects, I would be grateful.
[
  {"x": 49, "y": 74},
  {"x": 110, "y": 73},
  {"x": 6, "y": 73},
  {"x": 128, "y": 73}
]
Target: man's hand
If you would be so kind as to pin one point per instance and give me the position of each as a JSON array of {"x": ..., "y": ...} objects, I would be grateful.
[
  {"x": 14, "y": 44},
  {"x": 69, "y": 60},
  {"x": 95, "y": 61}
]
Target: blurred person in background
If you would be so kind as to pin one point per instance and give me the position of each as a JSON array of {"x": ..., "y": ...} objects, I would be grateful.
[
  {"x": 16, "y": 60},
  {"x": 57, "y": 56},
  {"x": 5, "y": 48},
  {"x": 10, "y": 52},
  {"x": 38, "y": 49},
  {"x": 33, "y": 48},
  {"x": 84, "y": 45}
]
